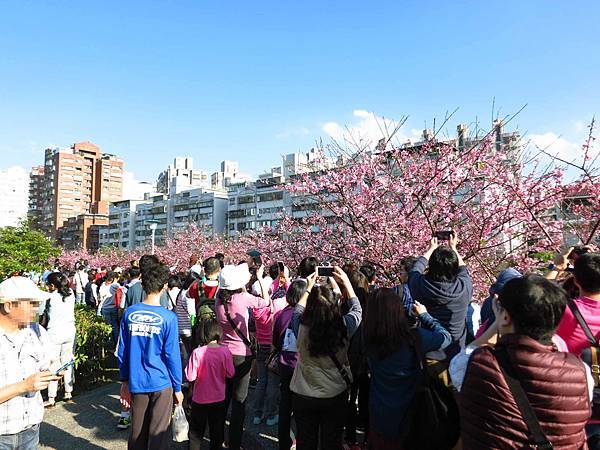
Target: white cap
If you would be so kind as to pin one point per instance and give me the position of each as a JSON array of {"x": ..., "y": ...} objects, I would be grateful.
[
  {"x": 234, "y": 277},
  {"x": 21, "y": 288}
]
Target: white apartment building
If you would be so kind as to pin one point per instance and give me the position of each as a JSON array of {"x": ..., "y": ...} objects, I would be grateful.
[
  {"x": 14, "y": 191},
  {"x": 181, "y": 176},
  {"x": 205, "y": 208}
]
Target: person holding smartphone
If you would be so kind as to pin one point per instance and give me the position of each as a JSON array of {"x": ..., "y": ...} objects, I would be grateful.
[{"x": 23, "y": 364}]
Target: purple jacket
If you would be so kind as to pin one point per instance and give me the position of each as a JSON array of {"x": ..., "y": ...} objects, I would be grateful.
[{"x": 281, "y": 322}]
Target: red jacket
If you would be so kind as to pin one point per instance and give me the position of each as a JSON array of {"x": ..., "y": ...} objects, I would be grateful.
[{"x": 556, "y": 386}]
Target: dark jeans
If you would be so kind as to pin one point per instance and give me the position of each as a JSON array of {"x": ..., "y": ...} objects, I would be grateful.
[
  {"x": 267, "y": 387},
  {"x": 150, "y": 420},
  {"x": 236, "y": 392},
  {"x": 25, "y": 440},
  {"x": 111, "y": 316},
  {"x": 593, "y": 435},
  {"x": 214, "y": 415},
  {"x": 359, "y": 390},
  {"x": 319, "y": 419},
  {"x": 185, "y": 349},
  {"x": 285, "y": 407}
]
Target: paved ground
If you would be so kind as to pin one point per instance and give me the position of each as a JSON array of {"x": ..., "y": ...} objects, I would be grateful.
[{"x": 90, "y": 423}]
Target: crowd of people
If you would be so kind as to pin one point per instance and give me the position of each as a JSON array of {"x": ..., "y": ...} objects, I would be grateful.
[{"x": 336, "y": 360}]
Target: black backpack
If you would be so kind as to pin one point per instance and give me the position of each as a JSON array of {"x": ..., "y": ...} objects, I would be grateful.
[
  {"x": 590, "y": 356},
  {"x": 432, "y": 421}
]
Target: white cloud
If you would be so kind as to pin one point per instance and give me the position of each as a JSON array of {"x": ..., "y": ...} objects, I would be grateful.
[
  {"x": 556, "y": 145},
  {"x": 134, "y": 189},
  {"x": 368, "y": 129}
]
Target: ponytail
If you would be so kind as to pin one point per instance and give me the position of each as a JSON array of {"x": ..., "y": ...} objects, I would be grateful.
[{"x": 61, "y": 283}]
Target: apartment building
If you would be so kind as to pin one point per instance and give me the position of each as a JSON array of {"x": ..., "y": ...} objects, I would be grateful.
[
  {"x": 14, "y": 191},
  {"x": 79, "y": 180},
  {"x": 35, "y": 205}
]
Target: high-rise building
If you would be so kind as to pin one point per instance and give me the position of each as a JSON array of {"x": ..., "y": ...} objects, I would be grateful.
[
  {"x": 36, "y": 189},
  {"x": 14, "y": 191},
  {"x": 78, "y": 180},
  {"x": 181, "y": 176}
]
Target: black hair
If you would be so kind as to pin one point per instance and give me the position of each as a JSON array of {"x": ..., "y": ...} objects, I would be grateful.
[
  {"x": 114, "y": 267},
  {"x": 134, "y": 272},
  {"x": 274, "y": 271},
  {"x": 587, "y": 272},
  {"x": 174, "y": 282},
  {"x": 154, "y": 277},
  {"x": 213, "y": 331},
  {"x": 326, "y": 329},
  {"x": 368, "y": 271},
  {"x": 211, "y": 266},
  {"x": 189, "y": 279},
  {"x": 221, "y": 258},
  {"x": 535, "y": 305},
  {"x": 226, "y": 294},
  {"x": 408, "y": 262},
  {"x": 61, "y": 284},
  {"x": 147, "y": 260},
  {"x": 110, "y": 276},
  {"x": 385, "y": 325},
  {"x": 443, "y": 265},
  {"x": 295, "y": 292},
  {"x": 307, "y": 266}
]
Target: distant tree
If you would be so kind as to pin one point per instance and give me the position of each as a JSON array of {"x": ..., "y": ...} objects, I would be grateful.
[{"x": 23, "y": 249}]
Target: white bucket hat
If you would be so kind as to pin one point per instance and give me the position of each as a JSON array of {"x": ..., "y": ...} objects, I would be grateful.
[
  {"x": 234, "y": 277},
  {"x": 21, "y": 288}
]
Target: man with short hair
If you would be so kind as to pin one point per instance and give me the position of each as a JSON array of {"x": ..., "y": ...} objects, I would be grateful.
[
  {"x": 150, "y": 363},
  {"x": 23, "y": 364},
  {"x": 557, "y": 385},
  {"x": 135, "y": 293}
]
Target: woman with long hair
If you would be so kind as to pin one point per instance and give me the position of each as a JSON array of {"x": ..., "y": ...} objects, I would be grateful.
[
  {"x": 390, "y": 348},
  {"x": 232, "y": 305},
  {"x": 60, "y": 312},
  {"x": 322, "y": 375}
]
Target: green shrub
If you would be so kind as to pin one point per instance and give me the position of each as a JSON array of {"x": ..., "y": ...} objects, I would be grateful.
[{"x": 92, "y": 347}]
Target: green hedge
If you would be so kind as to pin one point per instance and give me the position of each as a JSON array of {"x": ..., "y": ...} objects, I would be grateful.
[{"x": 92, "y": 347}]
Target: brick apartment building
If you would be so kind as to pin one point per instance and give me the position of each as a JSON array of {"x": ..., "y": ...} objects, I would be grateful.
[{"x": 77, "y": 187}]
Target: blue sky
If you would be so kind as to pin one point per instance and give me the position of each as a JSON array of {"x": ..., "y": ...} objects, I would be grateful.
[{"x": 250, "y": 81}]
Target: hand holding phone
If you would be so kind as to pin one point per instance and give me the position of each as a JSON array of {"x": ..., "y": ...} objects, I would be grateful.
[{"x": 64, "y": 367}]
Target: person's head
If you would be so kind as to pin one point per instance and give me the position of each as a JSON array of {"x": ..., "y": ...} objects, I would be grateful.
[
  {"x": 155, "y": 278},
  {"x": 232, "y": 280},
  {"x": 148, "y": 260},
  {"x": 57, "y": 282},
  {"x": 134, "y": 273},
  {"x": 114, "y": 267},
  {"x": 587, "y": 273},
  {"x": 406, "y": 265},
  {"x": 212, "y": 267},
  {"x": 443, "y": 265},
  {"x": 102, "y": 268},
  {"x": 274, "y": 271},
  {"x": 307, "y": 266},
  {"x": 19, "y": 302},
  {"x": 213, "y": 331},
  {"x": 110, "y": 277},
  {"x": 134, "y": 263},
  {"x": 174, "y": 282},
  {"x": 295, "y": 291},
  {"x": 369, "y": 271},
  {"x": 326, "y": 329},
  {"x": 530, "y": 305},
  {"x": 385, "y": 324},
  {"x": 221, "y": 258},
  {"x": 91, "y": 275},
  {"x": 189, "y": 279},
  {"x": 193, "y": 259},
  {"x": 360, "y": 284}
]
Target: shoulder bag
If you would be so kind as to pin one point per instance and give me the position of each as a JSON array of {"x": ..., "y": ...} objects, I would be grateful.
[{"x": 250, "y": 343}]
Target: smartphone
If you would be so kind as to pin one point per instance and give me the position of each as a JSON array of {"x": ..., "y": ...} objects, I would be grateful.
[
  {"x": 64, "y": 367},
  {"x": 443, "y": 235},
  {"x": 325, "y": 271},
  {"x": 281, "y": 266}
]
